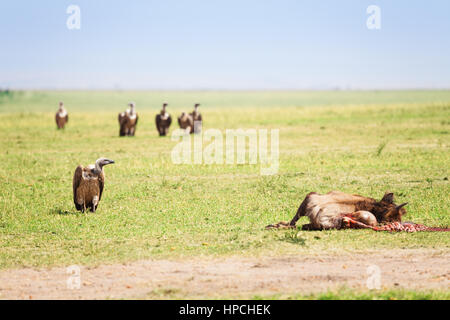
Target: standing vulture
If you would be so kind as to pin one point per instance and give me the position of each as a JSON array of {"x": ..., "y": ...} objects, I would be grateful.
[
  {"x": 88, "y": 185},
  {"x": 128, "y": 121},
  {"x": 163, "y": 121},
  {"x": 185, "y": 121},
  {"x": 196, "y": 118},
  {"x": 61, "y": 116}
]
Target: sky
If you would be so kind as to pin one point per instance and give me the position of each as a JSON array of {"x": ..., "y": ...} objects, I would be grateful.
[{"x": 225, "y": 45}]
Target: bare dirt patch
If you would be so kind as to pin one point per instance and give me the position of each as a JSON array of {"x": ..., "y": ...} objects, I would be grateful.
[{"x": 237, "y": 277}]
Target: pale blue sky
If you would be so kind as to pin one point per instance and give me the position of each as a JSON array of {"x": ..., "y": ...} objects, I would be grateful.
[{"x": 208, "y": 44}]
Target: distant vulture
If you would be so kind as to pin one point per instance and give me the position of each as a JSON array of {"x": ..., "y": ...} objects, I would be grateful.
[
  {"x": 185, "y": 121},
  {"x": 88, "y": 185},
  {"x": 163, "y": 121},
  {"x": 61, "y": 116},
  {"x": 197, "y": 118},
  {"x": 128, "y": 121}
]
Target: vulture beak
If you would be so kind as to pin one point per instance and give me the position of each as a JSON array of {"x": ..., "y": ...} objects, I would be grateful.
[
  {"x": 401, "y": 206},
  {"x": 107, "y": 161}
]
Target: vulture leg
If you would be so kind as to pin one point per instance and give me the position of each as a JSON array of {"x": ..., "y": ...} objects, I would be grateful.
[
  {"x": 123, "y": 130},
  {"x": 94, "y": 203}
]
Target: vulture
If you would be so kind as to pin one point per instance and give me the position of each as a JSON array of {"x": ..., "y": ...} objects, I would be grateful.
[
  {"x": 128, "y": 121},
  {"x": 163, "y": 121},
  {"x": 197, "y": 119},
  {"x": 88, "y": 183},
  {"x": 185, "y": 121},
  {"x": 61, "y": 116}
]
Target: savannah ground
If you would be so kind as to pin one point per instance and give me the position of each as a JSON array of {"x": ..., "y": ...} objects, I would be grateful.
[{"x": 164, "y": 223}]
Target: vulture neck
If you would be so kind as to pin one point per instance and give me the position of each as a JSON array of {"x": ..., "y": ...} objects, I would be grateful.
[
  {"x": 98, "y": 167},
  {"x": 164, "y": 112},
  {"x": 62, "y": 112}
]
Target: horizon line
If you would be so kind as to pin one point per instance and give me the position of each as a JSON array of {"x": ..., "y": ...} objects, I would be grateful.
[{"x": 3, "y": 89}]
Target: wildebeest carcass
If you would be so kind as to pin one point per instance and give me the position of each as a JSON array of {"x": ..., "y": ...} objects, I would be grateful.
[{"x": 336, "y": 210}]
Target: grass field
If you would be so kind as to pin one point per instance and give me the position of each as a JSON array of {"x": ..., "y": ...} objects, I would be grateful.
[{"x": 356, "y": 142}]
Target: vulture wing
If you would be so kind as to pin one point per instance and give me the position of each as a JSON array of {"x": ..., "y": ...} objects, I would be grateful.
[
  {"x": 158, "y": 121},
  {"x": 179, "y": 121},
  {"x": 169, "y": 120},
  {"x": 76, "y": 182},
  {"x": 67, "y": 117},
  {"x": 137, "y": 118},
  {"x": 101, "y": 183},
  {"x": 122, "y": 120},
  {"x": 199, "y": 118}
]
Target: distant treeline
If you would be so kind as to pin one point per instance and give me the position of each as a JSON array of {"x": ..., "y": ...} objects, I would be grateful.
[{"x": 7, "y": 93}]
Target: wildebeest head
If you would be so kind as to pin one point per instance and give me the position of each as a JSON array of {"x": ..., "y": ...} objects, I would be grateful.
[{"x": 387, "y": 211}]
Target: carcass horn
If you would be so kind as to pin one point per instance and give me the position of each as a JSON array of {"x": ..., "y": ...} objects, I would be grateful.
[{"x": 401, "y": 206}]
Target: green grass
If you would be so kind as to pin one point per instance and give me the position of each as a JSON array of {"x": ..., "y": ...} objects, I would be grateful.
[
  {"x": 340, "y": 294},
  {"x": 358, "y": 142},
  {"x": 347, "y": 294}
]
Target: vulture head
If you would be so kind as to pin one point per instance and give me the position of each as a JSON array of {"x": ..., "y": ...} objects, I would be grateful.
[
  {"x": 184, "y": 116},
  {"x": 196, "y": 106},
  {"x": 102, "y": 162},
  {"x": 131, "y": 105},
  {"x": 164, "y": 106}
]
